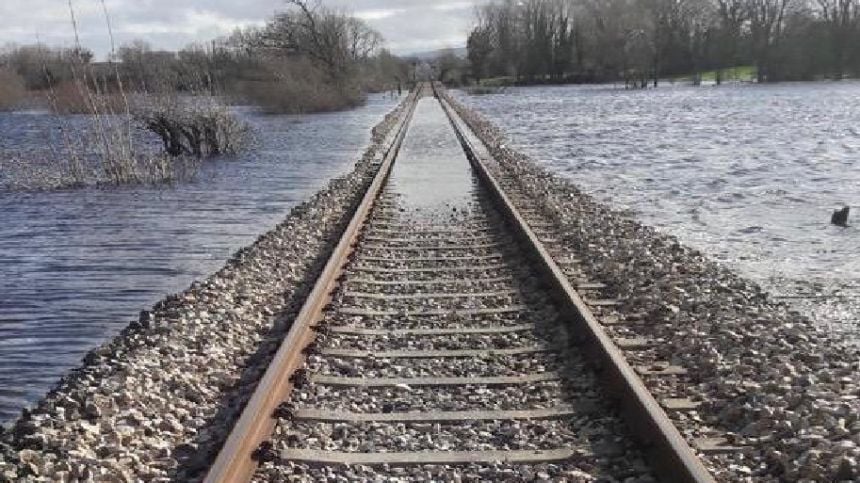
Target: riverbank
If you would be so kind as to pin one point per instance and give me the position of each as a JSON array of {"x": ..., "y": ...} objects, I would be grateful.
[
  {"x": 158, "y": 400},
  {"x": 773, "y": 384},
  {"x": 740, "y": 74}
]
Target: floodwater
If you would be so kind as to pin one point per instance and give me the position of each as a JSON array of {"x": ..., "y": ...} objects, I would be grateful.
[
  {"x": 77, "y": 266},
  {"x": 748, "y": 174},
  {"x": 448, "y": 185}
]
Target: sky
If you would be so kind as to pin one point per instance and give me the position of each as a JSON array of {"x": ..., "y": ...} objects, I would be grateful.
[{"x": 409, "y": 26}]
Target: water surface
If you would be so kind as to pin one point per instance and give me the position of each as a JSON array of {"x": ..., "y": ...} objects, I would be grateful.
[
  {"x": 432, "y": 174},
  {"x": 749, "y": 174},
  {"x": 77, "y": 266}
]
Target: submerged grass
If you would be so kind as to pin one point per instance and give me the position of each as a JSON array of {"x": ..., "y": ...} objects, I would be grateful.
[
  {"x": 48, "y": 174},
  {"x": 109, "y": 152},
  {"x": 110, "y": 149}
]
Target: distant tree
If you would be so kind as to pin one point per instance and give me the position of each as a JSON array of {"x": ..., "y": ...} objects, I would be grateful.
[
  {"x": 841, "y": 18},
  {"x": 766, "y": 23},
  {"x": 536, "y": 40},
  {"x": 148, "y": 70},
  {"x": 563, "y": 38},
  {"x": 449, "y": 67},
  {"x": 335, "y": 41},
  {"x": 480, "y": 48},
  {"x": 731, "y": 16}
]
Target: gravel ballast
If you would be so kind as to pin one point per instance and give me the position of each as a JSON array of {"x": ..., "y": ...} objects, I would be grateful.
[
  {"x": 406, "y": 431},
  {"x": 157, "y": 402},
  {"x": 772, "y": 383}
]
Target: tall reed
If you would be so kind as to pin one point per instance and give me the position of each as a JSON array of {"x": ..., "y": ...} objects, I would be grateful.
[{"x": 109, "y": 150}]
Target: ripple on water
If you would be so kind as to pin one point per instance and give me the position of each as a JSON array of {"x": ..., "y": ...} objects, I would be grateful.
[
  {"x": 77, "y": 266},
  {"x": 759, "y": 167}
]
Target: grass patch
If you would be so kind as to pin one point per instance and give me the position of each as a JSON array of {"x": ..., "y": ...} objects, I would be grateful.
[
  {"x": 742, "y": 73},
  {"x": 483, "y": 90},
  {"x": 499, "y": 82}
]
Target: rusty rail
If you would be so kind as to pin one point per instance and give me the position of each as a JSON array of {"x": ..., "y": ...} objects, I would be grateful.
[
  {"x": 673, "y": 459},
  {"x": 668, "y": 451},
  {"x": 234, "y": 462}
]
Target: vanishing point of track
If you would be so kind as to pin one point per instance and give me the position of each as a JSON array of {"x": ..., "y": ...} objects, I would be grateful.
[{"x": 450, "y": 338}]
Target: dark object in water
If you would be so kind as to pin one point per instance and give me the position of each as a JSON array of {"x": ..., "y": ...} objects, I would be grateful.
[{"x": 840, "y": 217}]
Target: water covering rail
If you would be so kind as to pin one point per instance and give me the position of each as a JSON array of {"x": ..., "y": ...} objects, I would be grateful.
[
  {"x": 670, "y": 454},
  {"x": 234, "y": 462},
  {"x": 671, "y": 457}
]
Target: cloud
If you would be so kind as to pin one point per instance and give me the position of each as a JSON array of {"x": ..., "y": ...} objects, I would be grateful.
[
  {"x": 448, "y": 6},
  {"x": 407, "y": 25},
  {"x": 371, "y": 15}
]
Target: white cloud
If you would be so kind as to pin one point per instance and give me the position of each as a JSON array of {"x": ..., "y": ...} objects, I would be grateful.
[
  {"x": 407, "y": 25},
  {"x": 379, "y": 14},
  {"x": 192, "y": 23},
  {"x": 448, "y": 6}
]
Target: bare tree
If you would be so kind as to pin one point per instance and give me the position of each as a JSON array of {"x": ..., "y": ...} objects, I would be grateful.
[
  {"x": 334, "y": 40},
  {"x": 500, "y": 22},
  {"x": 701, "y": 18},
  {"x": 148, "y": 70},
  {"x": 841, "y": 19},
  {"x": 766, "y": 22},
  {"x": 565, "y": 38},
  {"x": 732, "y": 15},
  {"x": 364, "y": 41},
  {"x": 480, "y": 48},
  {"x": 448, "y": 67}
]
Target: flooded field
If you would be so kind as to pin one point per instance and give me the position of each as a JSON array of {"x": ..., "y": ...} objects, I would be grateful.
[
  {"x": 749, "y": 174},
  {"x": 77, "y": 266}
]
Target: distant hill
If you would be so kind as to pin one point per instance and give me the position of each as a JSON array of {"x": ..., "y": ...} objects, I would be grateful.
[{"x": 432, "y": 54}]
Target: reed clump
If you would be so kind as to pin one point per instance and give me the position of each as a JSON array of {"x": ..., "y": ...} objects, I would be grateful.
[
  {"x": 110, "y": 146},
  {"x": 197, "y": 126},
  {"x": 106, "y": 147},
  {"x": 65, "y": 173}
]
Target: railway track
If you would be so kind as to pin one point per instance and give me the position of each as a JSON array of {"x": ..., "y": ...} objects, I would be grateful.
[{"x": 443, "y": 343}]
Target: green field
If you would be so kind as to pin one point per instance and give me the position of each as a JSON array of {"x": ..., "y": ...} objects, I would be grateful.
[{"x": 739, "y": 73}]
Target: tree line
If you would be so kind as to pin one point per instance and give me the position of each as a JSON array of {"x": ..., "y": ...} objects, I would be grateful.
[
  {"x": 642, "y": 41},
  {"x": 306, "y": 58}
]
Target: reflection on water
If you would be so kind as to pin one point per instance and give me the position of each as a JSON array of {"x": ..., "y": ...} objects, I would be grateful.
[
  {"x": 432, "y": 173},
  {"x": 77, "y": 266},
  {"x": 749, "y": 174}
]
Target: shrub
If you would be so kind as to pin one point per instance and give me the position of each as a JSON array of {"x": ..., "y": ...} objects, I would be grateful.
[
  {"x": 297, "y": 87},
  {"x": 199, "y": 126},
  {"x": 74, "y": 97},
  {"x": 13, "y": 93}
]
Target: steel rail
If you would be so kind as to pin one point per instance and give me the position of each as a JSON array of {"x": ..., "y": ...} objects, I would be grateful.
[
  {"x": 234, "y": 462},
  {"x": 672, "y": 458},
  {"x": 669, "y": 453}
]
